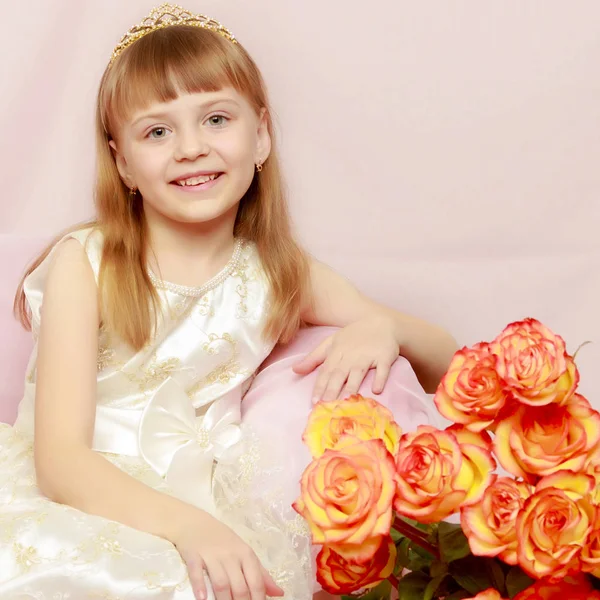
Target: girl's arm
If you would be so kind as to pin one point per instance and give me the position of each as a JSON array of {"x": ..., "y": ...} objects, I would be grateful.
[
  {"x": 375, "y": 335},
  {"x": 68, "y": 471}
]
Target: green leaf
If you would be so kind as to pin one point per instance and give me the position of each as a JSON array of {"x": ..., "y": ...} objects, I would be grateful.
[
  {"x": 517, "y": 581},
  {"x": 419, "y": 563},
  {"x": 433, "y": 586},
  {"x": 421, "y": 551},
  {"x": 452, "y": 542},
  {"x": 382, "y": 591},
  {"x": 496, "y": 574},
  {"x": 437, "y": 568},
  {"x": 471, "y": 574},
  {"x": 403, "y": 559},
  {"x": 396, "y": 537},
  {"x": 413, "y": 586},
  {"x": 418, "y": 559}
]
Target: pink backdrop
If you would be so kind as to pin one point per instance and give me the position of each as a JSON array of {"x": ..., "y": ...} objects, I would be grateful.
[{"x": 444, "y": 155}]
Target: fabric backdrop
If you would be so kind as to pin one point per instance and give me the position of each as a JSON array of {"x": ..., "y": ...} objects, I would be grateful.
[{"x": 443, "y": 155}]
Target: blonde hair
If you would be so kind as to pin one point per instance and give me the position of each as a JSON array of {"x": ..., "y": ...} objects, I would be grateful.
[{"x": 155, "y": 69}]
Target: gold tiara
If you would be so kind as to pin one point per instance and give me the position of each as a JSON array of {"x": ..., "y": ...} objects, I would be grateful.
[{"x": 166, "y": 15}]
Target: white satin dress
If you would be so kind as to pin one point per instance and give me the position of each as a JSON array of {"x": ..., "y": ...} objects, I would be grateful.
[{"x": 168, "y": 415}]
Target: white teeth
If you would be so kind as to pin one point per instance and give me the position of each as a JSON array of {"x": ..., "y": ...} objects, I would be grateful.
[{"x": 197, "y": 180}]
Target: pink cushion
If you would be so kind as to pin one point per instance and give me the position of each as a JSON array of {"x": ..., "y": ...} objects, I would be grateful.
[
  {"x": 16, "y": 252},
  {"x": 279, "y": 401}
]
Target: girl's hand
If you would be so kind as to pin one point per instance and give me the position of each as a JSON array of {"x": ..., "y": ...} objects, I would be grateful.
[
  {"x": 347, "y": 355},
  {"x": 233, "y": 569}
]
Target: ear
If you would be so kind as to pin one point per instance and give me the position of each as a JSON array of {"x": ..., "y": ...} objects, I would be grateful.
[
  {"x": 121, "y": 163},
  {"x": 263, "y": 139}
]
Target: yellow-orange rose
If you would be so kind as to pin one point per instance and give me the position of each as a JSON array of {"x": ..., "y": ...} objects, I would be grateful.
[
  {"x": 594, "y": 470},
  {"x": 346, "y": 497},
  {"x": 590, "y": 555},
  {"x": 538, "y": 441},
  {"x": 471, "y": 392},
  {"x": 437, "y": 472},
  {"x": 339, "y": 576},
  {"x": 534, "y": 364},
  {"x": 358, "y": 417},
  {"x": 489, "y": 594},
  {"x": 467, "y": 436},
  {"x": 490, "y": 524},
  {"x": 571, "y": 588},
  {"x": 554, "y": 525}
]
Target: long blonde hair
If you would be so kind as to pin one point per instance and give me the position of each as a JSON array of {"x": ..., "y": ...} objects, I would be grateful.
[{"x": 155, "y": 69}]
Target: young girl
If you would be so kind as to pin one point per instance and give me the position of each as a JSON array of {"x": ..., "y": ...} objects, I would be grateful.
[{"x": 142, "y": 482}]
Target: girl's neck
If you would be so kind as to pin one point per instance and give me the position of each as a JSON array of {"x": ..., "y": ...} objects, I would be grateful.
[{"x": 189, "y": 254}]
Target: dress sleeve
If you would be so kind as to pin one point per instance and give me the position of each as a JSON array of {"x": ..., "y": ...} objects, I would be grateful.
[{"x": 35, "y": 283}]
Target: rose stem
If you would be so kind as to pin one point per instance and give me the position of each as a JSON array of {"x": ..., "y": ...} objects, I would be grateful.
[{"x": 415, "y": 535}]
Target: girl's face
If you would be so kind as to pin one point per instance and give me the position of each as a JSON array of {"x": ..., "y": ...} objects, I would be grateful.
[{"x": 193, "y": 158}]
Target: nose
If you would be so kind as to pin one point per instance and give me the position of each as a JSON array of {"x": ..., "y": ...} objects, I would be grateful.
[{"x": 190, "y": 145}]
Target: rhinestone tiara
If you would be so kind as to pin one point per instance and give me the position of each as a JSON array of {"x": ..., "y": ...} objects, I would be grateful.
[{"x": 166, "y": 15}]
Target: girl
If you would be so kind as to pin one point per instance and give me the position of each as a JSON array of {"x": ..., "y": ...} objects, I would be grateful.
[{"x": 150, "y": 321}]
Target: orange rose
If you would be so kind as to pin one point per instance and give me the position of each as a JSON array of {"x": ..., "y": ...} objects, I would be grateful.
[
  {"x": 554, "y": 525},
  {"x": 538, "y": 441},
  {"x": 438, "y": 472},
  {"x": 358, "y": 417},
  {"x": 346, "y": 497},
  {"x": 594, "y": 470},
  {"x": 570, "y": 588},
  {"x": 467, "y": 436},
  {"x": 489, "y": 594},
  {"x": 534, "y": 364},
  {"x": 341, "y": 577},
  {"x": 590, "y": 555},
  {"x": 471, "y": 392},
  {"x": 490, "y": 524}
]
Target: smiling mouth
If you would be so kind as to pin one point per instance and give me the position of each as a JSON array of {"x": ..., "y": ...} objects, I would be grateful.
[{"x": 196, "y": 182}]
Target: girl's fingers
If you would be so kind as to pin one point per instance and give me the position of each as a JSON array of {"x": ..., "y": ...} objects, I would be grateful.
[
  {"x": 237, "y": 580},
  {"x": 197, "y": 577},
  {"x": 355, "y": 379},
  {"x": 219, "y": 580},
  {"x": 381, "y": 376},
  {"x": 335, "y": 382},
  {"x": 254, "y": 577},
  {"x": 271, "y": 587}
]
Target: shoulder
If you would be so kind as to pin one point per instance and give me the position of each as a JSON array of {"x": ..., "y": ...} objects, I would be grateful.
[
  {"x": 67, "y": 307},
  {"x": 68, "y": 258},
  {"x": 70, "y": 273},
  {"x": 67, "y": 270}
]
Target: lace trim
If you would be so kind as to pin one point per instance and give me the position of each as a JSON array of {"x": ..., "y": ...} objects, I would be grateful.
[
  {"x": 250, "y": 500},
  {"x": 196, "y": 292}
]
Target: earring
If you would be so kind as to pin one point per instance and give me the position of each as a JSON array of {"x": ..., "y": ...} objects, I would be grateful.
[
  {"x": 132, "y": 192},
  {"x": 258, "y": 167}
]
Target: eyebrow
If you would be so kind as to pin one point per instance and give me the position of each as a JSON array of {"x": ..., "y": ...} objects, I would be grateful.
[{"x": 203, "y": 106}]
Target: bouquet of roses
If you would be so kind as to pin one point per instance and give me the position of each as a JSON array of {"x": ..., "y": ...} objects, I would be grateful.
[{"x": 376, "y": 499}]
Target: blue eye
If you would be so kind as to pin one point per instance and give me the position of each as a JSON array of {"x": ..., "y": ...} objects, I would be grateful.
[{"x": 157, "y": 130}]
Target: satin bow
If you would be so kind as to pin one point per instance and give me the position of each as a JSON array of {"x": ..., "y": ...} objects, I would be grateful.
[{"x": 182, "y": 447}]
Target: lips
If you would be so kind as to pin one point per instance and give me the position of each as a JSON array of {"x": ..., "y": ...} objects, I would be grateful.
[
  {"x": 196, "y": 179},
  {"x": 197, "y": 184}
]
